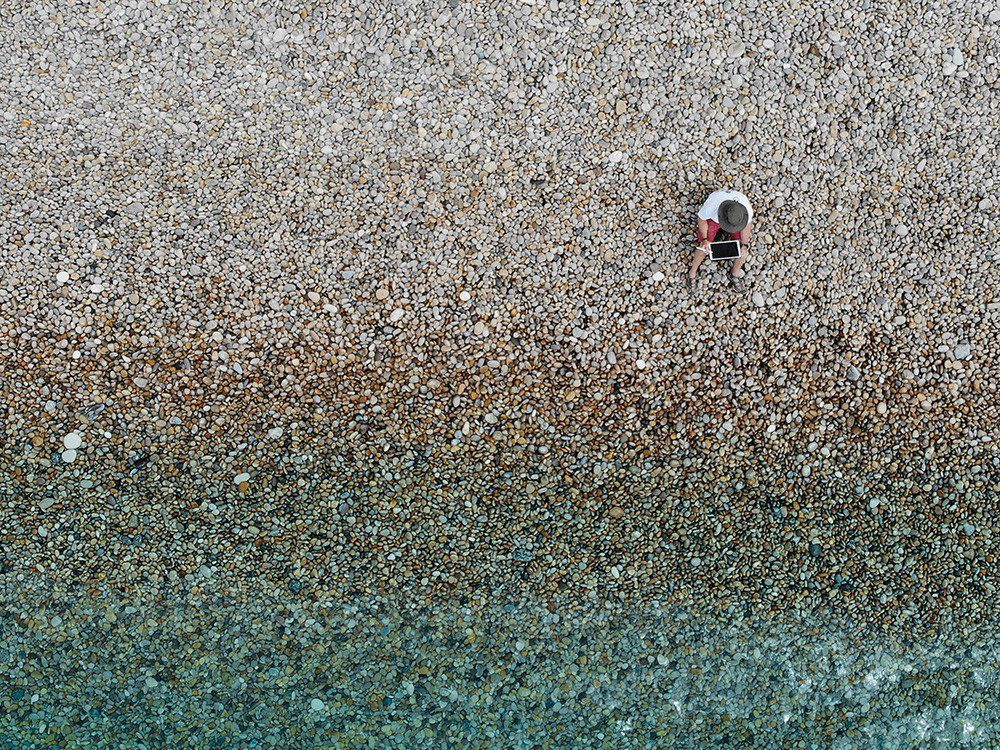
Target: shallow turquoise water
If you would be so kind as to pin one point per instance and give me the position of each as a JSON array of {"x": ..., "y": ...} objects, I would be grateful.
[{"x": 201, "y": 671}]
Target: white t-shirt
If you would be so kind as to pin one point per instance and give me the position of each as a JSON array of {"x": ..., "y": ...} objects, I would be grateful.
[{"x": 710, "y": 208}]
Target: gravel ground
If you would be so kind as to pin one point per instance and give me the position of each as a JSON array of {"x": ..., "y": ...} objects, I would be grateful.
[{"x": 347, "y": 303}]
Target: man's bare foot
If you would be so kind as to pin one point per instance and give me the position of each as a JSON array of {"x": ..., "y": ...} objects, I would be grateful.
[{"x": 739, "y": 273}]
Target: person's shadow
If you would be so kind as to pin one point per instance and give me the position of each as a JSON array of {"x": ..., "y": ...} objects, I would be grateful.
[{"x": 690, "y": 198}]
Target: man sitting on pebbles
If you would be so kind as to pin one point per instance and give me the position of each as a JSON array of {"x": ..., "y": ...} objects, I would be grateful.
[{"x": 730, "y": 211}]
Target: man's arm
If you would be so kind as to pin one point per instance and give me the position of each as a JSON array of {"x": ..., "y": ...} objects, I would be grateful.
[
  {"x": 703, "y": 234},
  {"x": 746, "y": 233}
]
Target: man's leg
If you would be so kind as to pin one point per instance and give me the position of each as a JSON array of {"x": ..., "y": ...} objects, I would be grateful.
[
  {"x": 699, "y": 254},
  {"x": 738, "y": 271}
]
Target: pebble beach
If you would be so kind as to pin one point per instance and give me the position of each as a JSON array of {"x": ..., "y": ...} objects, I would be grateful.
[{"x": 352, "y": 395}]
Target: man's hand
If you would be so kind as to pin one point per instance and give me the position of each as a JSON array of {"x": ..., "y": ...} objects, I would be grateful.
[{"x": 705, "y": 246}]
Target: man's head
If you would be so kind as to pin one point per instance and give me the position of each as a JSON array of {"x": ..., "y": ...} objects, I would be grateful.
[{"x": 733, "y": 216}]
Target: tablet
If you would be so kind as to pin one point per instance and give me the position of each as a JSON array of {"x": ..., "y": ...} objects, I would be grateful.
[{"x": 725, "y": 250}]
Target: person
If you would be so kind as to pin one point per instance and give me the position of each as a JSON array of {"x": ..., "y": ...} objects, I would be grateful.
[{"x": 730, "y": 212}]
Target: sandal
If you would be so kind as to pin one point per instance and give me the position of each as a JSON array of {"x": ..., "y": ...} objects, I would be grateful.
[{"x": 691, "y": 284}]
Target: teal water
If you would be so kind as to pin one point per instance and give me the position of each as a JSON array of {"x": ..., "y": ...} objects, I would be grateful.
[{"x": 198, "y": 670}]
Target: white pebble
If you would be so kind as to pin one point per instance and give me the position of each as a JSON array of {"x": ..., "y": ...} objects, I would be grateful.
[
  {"x": 241, "y": 478},
  {"x": 72, "y": 441},
  {"x": 69, "y": 456},
  {"x": 62, "y": 277},
  {"x": 275, "y": 432}
]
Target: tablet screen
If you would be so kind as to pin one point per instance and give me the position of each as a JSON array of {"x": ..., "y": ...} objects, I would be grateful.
[{"x": 724, "y": 250}]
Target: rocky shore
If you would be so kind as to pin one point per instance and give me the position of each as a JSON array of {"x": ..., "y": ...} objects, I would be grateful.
[{"x": 349, "y": 304}]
